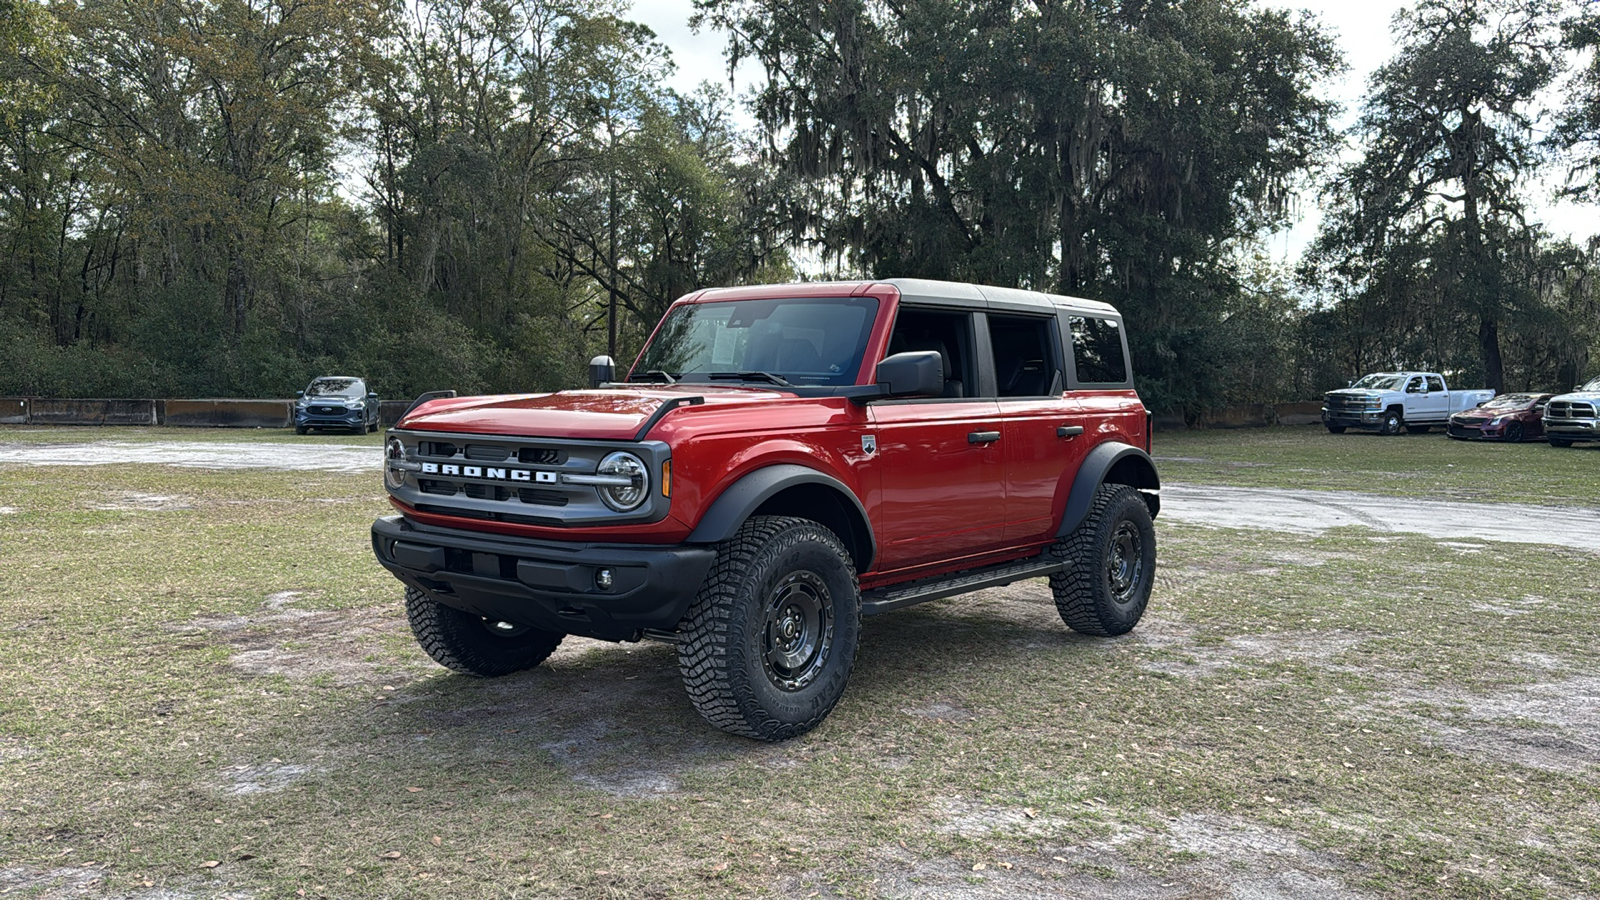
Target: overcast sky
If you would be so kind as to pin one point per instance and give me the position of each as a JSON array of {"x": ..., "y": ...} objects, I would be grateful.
[{"x": 1362, "y": 27}]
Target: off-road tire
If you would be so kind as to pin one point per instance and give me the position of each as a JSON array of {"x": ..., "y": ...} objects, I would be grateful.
[
  {"x": 472, "y": 645},
  {"x": 1336, "y": 429},
  {"x": 1514, "y": 433},
  {"x": 1559, "y": 442},
  {"x": 1392, "y": 423},
  {"x": 1111, "y": 564},
  {"x": 1418, "y": 429},
  {"x": 780, "y": 582}
]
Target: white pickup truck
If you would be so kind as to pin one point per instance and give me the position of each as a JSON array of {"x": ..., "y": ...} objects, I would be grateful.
[{"x": 1388, "y": 401}]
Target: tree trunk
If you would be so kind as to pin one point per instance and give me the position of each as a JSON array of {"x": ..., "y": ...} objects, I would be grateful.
[{"x": 1489, "y": 344}]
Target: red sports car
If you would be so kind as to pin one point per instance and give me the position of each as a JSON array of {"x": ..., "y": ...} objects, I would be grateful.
[{"x": 1508, "y": 417}]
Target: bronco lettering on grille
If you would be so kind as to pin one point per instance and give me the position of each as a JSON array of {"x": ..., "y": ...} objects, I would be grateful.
[{"x": 489, "y": 473}]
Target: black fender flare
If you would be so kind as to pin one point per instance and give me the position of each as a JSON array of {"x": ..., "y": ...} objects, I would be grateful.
[
  {"x": 1134, "y": 467},
  {"x": 736, "y": 504}
]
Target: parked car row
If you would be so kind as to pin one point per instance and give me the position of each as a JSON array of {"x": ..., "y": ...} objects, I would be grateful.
[{"x": 1387, "y": 402}]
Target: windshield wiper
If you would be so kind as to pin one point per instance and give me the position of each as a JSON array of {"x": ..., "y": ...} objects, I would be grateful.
[
  {"x": 660, "y": 375},
  {"x": 751, "y": 376}
]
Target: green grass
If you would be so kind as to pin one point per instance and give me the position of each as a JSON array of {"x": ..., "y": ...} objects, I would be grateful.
[
  {"x": 223, "y": 675},
  {"x": 1307, "y": 457}
]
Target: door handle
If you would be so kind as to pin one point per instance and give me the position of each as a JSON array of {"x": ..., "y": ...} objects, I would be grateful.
[
  {"x": 982, "y": 437},
  {"x": 1067, "y": 431}
]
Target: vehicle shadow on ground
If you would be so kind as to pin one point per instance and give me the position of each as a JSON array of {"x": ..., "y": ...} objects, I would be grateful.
[{"x": 615, "y": 718}]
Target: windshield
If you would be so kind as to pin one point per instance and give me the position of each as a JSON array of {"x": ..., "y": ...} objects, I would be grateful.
[
  {"x": 1380, "y": 382},
  {"x": 798, "y": 341},
  {"x": 1593, "y": 385},
  {"x": 336, "y": 387},
  {"x": 1512, "y": 401}
]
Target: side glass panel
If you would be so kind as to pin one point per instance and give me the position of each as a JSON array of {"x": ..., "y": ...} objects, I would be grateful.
[
  {"x": 1435, "y": 383},
  {"x": 1024, "y": 356},
  {"x": 949, "y": 333},
  {"x": 1097, "y": 351}
]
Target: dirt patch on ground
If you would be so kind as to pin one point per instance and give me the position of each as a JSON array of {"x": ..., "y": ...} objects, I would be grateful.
[
  {"x": 264, "y": 778},
  {"x": 1187, "y": 657},
  {"x": 1317, "y": 512},
  {"x": 1553, "y": 726},
  {"x": 1205, "y": 856},
  {"x": 199, "y": 455},
  {"x": 63, "y": 881},
  {"x": 137, "y": 502},
  {"x": 284, "y": 640}
]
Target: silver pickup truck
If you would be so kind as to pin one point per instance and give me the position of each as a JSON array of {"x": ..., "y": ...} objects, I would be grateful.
[
  {"x": 1386, "y": 402},
  {"x": 1574, "y": 417}
]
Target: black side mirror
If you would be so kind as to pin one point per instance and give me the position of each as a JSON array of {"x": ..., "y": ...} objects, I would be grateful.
[
  {"x": 915, "y": 373},
  {"x": 372, "y": 395},
  {"x": 602, "y": 370}
]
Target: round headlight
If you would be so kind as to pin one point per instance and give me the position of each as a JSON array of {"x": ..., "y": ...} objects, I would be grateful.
[
  {"x": 394, "y": 456},
  {"x": 624, "y": 497}
]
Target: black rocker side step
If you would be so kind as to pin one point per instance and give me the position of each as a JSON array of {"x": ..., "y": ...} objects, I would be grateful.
[{"x": 897, "y": 596}]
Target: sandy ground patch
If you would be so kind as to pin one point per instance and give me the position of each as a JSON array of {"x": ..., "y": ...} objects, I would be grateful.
[
  {"x": 1316, "y": 512},
  {"x": 199, "y": 455}
]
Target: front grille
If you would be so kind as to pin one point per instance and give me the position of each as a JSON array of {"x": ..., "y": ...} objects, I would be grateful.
[
  {"x": 529, "y": 480},
  {"x": 489, "y": 516},
  {"x": 1570, "y": 409},
  {"x": 1460, "y": 430},
  {"x": 328, "y": 410},
  {"x": 487, "y": 492},
  {"x": 542, "y": 498},
  {"x": 1340, "y": 403}
]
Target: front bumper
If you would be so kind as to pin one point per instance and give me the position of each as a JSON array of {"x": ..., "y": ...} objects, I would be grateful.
[
  {"x": 344, "y": 418},
  {"x": 550, "y": 585},
  {"x": 1350, "y": 418},
  {"x": 1572, "y": 429}
]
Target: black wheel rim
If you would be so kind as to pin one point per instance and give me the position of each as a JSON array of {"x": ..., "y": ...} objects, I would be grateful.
[
  {"x": 504, "y": 629},
  {"x": 1514, "y": 433},
  {"x": 1124, "y": 561},
  {"x": 797, "y": 634}
]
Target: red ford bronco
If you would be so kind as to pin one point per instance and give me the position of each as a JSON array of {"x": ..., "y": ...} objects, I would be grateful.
[{"x": 781, "y": 461}]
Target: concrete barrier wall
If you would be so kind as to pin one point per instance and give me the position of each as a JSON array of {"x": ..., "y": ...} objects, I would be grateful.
[
  {"x": 91, "y": 412},
  {"x": 229, "y": 413},
  {"x": 13, "y": 411},
  {"x": 1307, "y": 413},
  {"x": 390, "y": 411}
]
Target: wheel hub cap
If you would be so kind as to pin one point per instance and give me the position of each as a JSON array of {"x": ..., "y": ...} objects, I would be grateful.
[
  {"x": 1124, "y": 561},
  {"x": 798, "y": 631}
]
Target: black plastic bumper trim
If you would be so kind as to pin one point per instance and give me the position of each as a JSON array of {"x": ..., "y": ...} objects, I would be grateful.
[{"x": 546, "y": 584}]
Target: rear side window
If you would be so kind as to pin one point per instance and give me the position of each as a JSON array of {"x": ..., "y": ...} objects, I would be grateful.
[
  {"x": 1024, "y": 356},
  {"x": 1097, "y": 351}
]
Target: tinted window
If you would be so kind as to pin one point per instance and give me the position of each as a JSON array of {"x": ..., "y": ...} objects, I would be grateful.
[
  {"x": 1024, "y": 356},
  {"x": 1097, "y": 351},
  {"x": 1435, "y": 383}
]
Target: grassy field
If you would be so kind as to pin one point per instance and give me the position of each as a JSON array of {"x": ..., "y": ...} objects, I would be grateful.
[
  {"x": 211, "y": 692},
  {"x": 1407, "y": 465}
]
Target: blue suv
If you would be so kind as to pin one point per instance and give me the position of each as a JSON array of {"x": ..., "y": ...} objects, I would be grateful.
[{"x": 336, "y": 401}]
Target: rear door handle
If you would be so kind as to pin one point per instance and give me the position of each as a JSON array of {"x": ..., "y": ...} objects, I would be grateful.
[
  {"x": 982, "y": 437},
  {"x": 1069, "y": 431}
]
